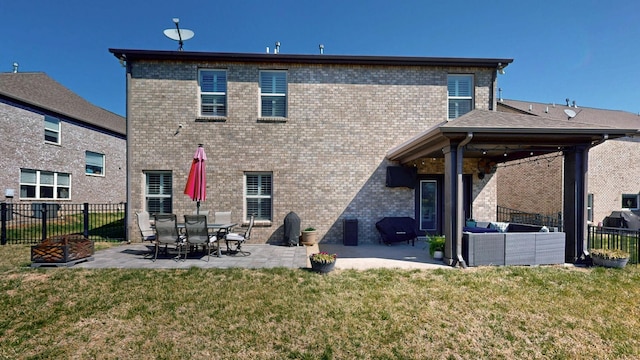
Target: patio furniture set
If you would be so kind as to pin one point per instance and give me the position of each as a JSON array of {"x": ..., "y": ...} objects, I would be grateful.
[{"x": 168, "y": 235}]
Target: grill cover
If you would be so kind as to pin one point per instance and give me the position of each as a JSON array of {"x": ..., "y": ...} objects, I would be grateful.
[
  {"x": 396, "y": 229},
  {"x": 291, "y": 229}
]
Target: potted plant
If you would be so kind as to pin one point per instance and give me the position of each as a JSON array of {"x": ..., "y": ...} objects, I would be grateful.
[
  {"x": 436, "y": 246},
  {"x": 323, "y": 262},
  {"x": 309, "y": 236},
  {"x": 613, "y": 258}
]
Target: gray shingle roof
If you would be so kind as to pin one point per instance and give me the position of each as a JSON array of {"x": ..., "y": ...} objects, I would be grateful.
[
  {"x": 617, "y": 118},
  {"x": 39, "y": 90}
]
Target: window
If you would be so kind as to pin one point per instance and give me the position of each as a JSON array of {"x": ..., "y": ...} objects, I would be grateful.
[
  {"x": 589, "y": 207},
  {"x": 273, "y": 94},
  {"x": 37, "y": 184},
  {"x": 51, "y": 130},
  {"x": 158, "y": 193},
  {"x": 460, "y": 88},
  {"x": 94, "y": 163},
  {"x": 258, "y": 188},
  {"x": 213, "y": 93},
  {"x": 629, "y": 201}
]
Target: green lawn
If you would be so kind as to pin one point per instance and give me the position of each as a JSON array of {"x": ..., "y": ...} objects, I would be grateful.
[{"x": 478, "y": 313}]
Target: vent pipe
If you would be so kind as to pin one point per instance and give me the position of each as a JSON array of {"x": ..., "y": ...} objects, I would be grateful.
[
  {"x": 277, "y": 49},
  {"x": 321, "y": 49},
  {"x": 15, "y": 67}
]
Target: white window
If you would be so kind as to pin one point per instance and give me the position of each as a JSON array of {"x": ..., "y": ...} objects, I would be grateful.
[
  {"x": 257, "y": 195},
  {"x": 51, "y": 130},
  {"x": 213, "y": 92},
  {"x": 273, "y": 94},
  {"x": 37, "y": 184},
  {"x": 94, "y": 163},
  {"x": 460, "y": 88},
  {"x": 158, "y": 192}
]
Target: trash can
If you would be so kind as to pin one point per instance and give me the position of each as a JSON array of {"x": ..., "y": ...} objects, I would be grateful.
[
  {"x": 350, "y": 232},
  {"x": 292, "y": 229}
]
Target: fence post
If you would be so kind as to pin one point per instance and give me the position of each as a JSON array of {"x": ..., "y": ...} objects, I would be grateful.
[
  {"x": 43, "y": 209},
  {"x": 85, "y": 212},
  {"x": 3, "y": 219},
  {"x": 125, "y": 222}
]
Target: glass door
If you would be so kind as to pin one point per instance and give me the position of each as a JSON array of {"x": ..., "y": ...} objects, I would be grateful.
[{"x": 428, "y": 205}]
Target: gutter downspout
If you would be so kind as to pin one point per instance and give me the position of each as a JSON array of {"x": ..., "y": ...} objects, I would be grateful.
[{"x": 459, "y": 198}]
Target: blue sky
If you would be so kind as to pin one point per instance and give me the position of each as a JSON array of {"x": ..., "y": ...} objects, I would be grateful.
[{"x": 586, "y": 50}]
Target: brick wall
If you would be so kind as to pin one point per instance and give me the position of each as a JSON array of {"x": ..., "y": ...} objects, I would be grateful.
[
  {"x": 327, "y": 159},
  {"x": 24, "y": 147}
]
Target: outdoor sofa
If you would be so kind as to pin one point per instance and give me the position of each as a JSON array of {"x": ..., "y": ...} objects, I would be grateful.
[{"x": 512, "y": 244}]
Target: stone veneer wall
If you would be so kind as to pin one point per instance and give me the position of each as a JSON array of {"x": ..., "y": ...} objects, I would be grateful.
[
  {"x": 23, "y": 146},
  {"x": 327, "y": 158}
]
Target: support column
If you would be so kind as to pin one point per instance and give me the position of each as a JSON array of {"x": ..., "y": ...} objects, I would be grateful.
[
  {"x": 450, "y": 203},
  {"x": 576, "y": 167}
]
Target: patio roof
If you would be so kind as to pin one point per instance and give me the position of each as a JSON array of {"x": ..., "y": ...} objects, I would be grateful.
[{"x": 502, "y": 136}]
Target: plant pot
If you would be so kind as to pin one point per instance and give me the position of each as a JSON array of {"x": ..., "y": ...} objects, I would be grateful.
[
  {"x": 322, "y": 268},
  {"x": 308, "y": 238},
  {"x": 610, "y": 263},
  {"x": 438, "y": 255}
]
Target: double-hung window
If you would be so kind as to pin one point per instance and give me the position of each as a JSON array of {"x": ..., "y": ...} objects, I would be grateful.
[
  {"x": 213, "y": 92},
  {"x": 37, "y": 184},
  {"x": 273, "y": 94},
  {"x": 258, "y": 195},
  {"x": 460, "y": 88},
  {"x": 51, "y": 130},
  {"x": 94, "y": 163},
  {"x": 158, "y": 193}
]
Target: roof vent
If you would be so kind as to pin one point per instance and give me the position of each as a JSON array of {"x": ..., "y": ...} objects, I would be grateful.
[
  {"x": 321, "y": 49},
  {"x": 530, "y": 107},
  {"x": 546, "y": 110},
  {"x": 574, "y": 104},
  {"x": 15, "y": 67},
  {"x": 277, "y": 49},
  {"x": 567, "y": 100}
]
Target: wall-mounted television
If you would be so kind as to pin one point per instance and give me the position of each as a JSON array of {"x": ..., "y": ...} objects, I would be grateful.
[{"x": 402, "y": 176}]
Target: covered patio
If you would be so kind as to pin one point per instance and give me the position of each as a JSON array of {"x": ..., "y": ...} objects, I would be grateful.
[{"x": 499, "y": 137}]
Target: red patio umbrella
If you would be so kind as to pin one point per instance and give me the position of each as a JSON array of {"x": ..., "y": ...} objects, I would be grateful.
[{"x": 196, "y": 186}]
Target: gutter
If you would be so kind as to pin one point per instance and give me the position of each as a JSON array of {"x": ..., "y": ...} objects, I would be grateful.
[{"x": 459, "y": 205}]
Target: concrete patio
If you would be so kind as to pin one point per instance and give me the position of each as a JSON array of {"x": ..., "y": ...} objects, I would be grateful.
[{"x": 362, "y": 257}]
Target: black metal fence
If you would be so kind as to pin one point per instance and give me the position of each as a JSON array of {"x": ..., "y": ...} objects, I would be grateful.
[
  {"x": 521, "y": 217},
  {"x": 627, "y": 240},
  {"x": 30, "y": 223}
]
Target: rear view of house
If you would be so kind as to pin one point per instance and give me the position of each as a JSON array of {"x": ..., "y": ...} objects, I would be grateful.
[{"x": 321, "y": 135}]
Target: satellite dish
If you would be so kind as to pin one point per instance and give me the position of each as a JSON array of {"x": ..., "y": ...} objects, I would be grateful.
[
  {"x": 570, "y": 113},
  {"x": 179, "y": 35}
]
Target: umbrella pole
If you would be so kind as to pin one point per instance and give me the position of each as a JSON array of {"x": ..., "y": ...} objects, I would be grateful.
[{"x": 197, "y": 207}]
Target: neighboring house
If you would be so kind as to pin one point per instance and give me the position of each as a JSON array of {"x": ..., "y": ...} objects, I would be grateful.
[
  {"x": 613, "y": 182},
  {"x": 316, "y": 135},
  {"x": 56, "y": 146}
]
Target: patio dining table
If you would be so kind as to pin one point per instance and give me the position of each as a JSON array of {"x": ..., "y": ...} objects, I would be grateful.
[{"x": 219, "y": 229}]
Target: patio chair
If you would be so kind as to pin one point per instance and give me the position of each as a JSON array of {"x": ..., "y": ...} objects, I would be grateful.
[
  {"x": 198, "y": 233},
  {"x": 146, "y": 230},
  {"x": 239, "y": 239},
  {"x": 202, "y": 212},
  {"x": 222, "y": 217},
  {"x": 167, "y": 234}
]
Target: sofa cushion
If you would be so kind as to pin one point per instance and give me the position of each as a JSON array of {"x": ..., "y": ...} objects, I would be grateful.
[{"x": 523, "y": 228}]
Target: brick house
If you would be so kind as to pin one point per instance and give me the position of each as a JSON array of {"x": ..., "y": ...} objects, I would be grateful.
[
  {"x": 57, "y": 147},
  {"x": 614, "y": 169},
  {"x": 316, "y": 135}
]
